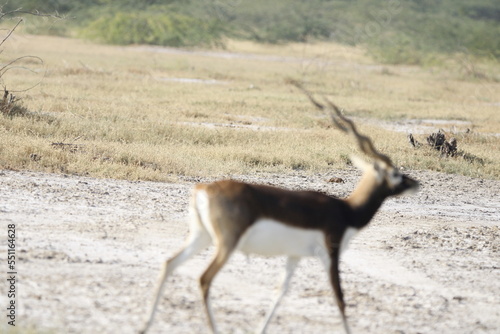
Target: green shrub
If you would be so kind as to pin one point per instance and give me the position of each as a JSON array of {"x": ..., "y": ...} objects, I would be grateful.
[
  {"x": 153, "y": 28},
  {"x": 281, "y": 21},
  {"x": 46, "y": 26}
]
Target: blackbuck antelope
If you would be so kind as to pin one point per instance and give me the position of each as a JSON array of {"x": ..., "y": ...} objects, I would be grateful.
[{"x": 272, "y": 221}]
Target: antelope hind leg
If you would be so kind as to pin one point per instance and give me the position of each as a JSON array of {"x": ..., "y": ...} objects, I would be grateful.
[{"x": 291, "y": 265}]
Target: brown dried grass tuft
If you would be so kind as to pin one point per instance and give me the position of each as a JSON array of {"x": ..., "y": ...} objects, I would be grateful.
[{"x": 10, "y": 105}]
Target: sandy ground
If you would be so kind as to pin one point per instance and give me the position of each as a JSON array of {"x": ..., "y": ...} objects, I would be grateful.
[{"x": 89, "y": 253}]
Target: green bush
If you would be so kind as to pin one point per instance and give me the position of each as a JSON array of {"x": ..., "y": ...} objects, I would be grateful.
[
  {"x": 45, "y": 26},
  {"x": 154, "y": 28},
  {"x": 396, "y": 48},
  {"x": 281, "y": 21}
]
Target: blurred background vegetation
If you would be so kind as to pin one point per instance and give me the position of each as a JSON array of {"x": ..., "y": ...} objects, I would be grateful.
[{"x": 393, "y": 31}]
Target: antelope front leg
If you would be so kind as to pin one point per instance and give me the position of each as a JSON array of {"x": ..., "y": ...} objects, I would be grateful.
[{"x": 337, "y": 289}]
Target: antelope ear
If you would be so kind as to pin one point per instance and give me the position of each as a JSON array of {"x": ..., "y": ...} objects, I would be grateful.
[{"x": 359, "y": 162}]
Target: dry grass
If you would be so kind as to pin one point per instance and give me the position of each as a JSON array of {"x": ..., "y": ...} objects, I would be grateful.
[{"x": 119, "y": 112}]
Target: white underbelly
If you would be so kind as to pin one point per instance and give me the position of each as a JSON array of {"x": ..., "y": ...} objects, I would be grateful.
[{"x": 270, "y": 238}]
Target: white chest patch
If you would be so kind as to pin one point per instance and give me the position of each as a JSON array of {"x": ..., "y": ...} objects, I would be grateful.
[
  {"x": 271, "y": 238},
  {"x": 349, "y": 233}
]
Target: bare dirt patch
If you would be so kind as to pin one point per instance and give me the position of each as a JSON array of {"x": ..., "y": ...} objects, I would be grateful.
[{"x": 89, "y": 252}]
